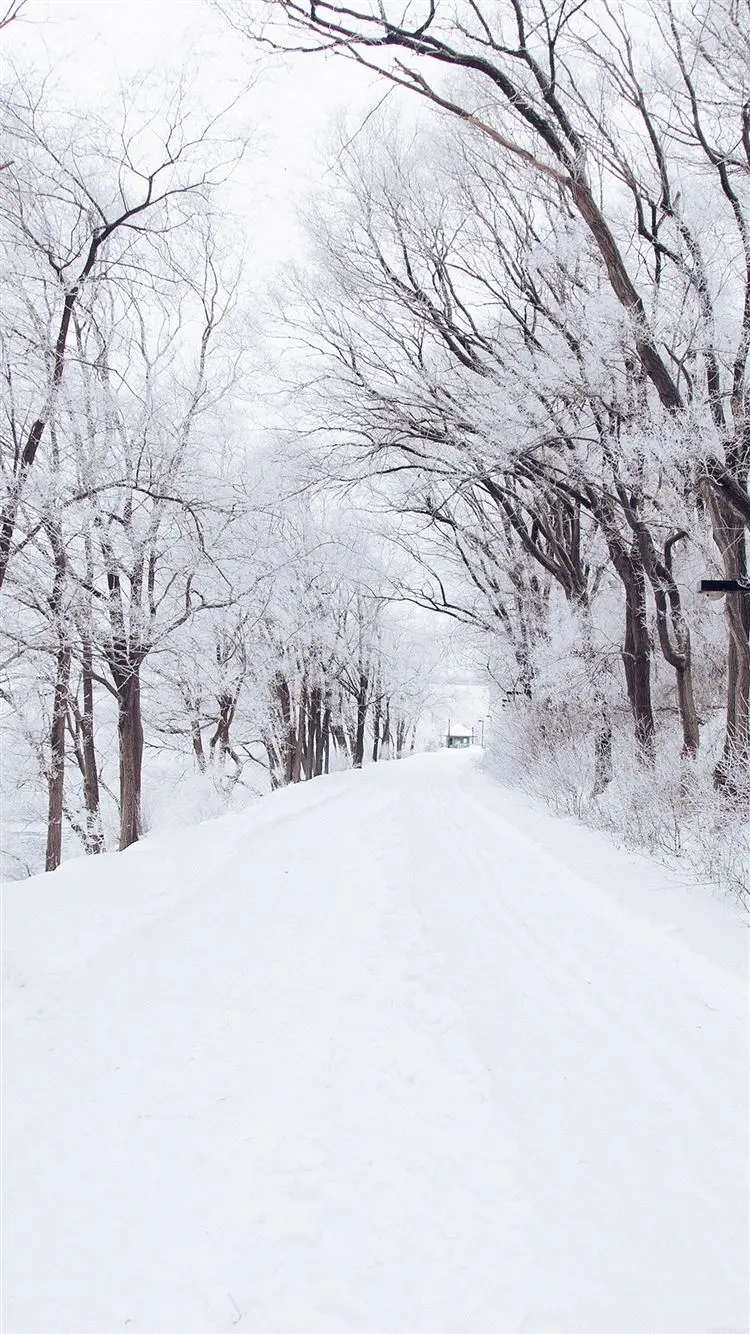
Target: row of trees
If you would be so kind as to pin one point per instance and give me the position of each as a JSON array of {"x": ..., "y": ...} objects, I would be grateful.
[
  {"x": 149, "y": 545},
  {"x": 534, "y": 314},
  {"x": 522, "y": 333},
  {"x": 311, "y": 663}
]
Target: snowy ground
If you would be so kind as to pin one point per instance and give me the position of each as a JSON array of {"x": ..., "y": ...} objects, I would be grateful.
[{"x": 392, "y": 1053}]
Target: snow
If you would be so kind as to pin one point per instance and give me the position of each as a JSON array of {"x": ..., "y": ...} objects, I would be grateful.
[{"x": 390, "y": 1052}]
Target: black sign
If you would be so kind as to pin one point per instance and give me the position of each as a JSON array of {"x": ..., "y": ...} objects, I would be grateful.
[{"x": 723, "y": 586}]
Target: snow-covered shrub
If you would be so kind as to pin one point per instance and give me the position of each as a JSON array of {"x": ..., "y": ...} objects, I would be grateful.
[{"x": 669, "y": 808}]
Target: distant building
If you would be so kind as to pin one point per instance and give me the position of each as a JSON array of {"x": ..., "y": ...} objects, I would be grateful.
[{"x": 458, "y": 737}]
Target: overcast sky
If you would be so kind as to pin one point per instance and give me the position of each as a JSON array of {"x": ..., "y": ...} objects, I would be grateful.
[{"x": 94, "y": 44}]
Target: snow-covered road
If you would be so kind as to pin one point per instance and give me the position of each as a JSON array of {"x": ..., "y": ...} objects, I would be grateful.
[{"x": 391, "y": 1053}]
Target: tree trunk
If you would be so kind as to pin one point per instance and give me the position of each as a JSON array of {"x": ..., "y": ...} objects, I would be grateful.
[
  {"x": 636, "y": 650},
  {"x": 386, "y": 733},
  {"x": 130, "y": 734},
  {"x": 326, "y": 739},
  {"x": 197, "y": 739},
  {"x": 56, "y": 781},
  {"x": 731, "y": 773},
  {"x": 95, "y": 841},
  {"x": 359, "y": 739},
  {"x": 289, "y": 740},
  {"x": 636, "y": 657},
  {"x": 81, "y": 728},
  {"x": 672, "y": 628},
  {"x": 193, "y": 705},
  {"x": 275, "y": 764},
  {"x": 314, "y": 753},
  {"x": 56, "y": 774},
  {"x": 681, "y": 660},
  {"x": 227, "y": 706},
  {"x": 602, "y": 745},
  {"x": 602, "y": 718},
  {"x": 321, "y": 716},
  {"x": 338, "y": 733},
  {"x": 298, "y": 741},
  {"x": 376, "y": 726}
]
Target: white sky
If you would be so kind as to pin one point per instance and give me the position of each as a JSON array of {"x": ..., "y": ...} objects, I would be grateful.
[{"x": 94, "y": 44}]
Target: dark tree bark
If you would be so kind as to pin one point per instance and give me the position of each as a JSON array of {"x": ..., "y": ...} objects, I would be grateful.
[
  {"x": 731, "y": 773},
  {"x": 275, "y": 764},
  {"x": 338, "y": 735},
  {"x": 220, "y": 740},
  {"x": 298, "y": 738},
  {"x": 326, "y": 739},
  {"x": 56, "y": 783},
  {"x": 362, "y": 706},
  {"x": 130, "y": 736},
  {"x": 636, "y": 649},
  {"x": 286, "y": 752},
  {"x": 81, "y": 728},
  {"x": 317, "y": 721},
  {"x": 677, "y": 652},
  {"x": 672, "y": 628},
  {"x": 602, "y": 719},
  {"x": 386, "y": 734},
  {"x": 376, "y": 719},
  {"x": 56, "y": 772},
  {"x": 602, "y": 746},
  {"x": 196, "y": 737},
  {"x": 91, "y": 772},
  {"x": 636, "y": 657}
]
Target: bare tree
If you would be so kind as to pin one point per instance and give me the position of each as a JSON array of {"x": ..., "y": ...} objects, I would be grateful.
[
  {"x": 68, "y": 218},
  {"x": 524, "y": 64}
]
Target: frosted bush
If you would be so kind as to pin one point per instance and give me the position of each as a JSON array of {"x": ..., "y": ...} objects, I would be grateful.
[{"x": 669, "y": 809}]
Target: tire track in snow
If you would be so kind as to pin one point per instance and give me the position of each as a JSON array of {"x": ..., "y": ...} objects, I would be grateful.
[
  {"x": 386, "y": 1068},
  {"x": 606, "y": 1087}
]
